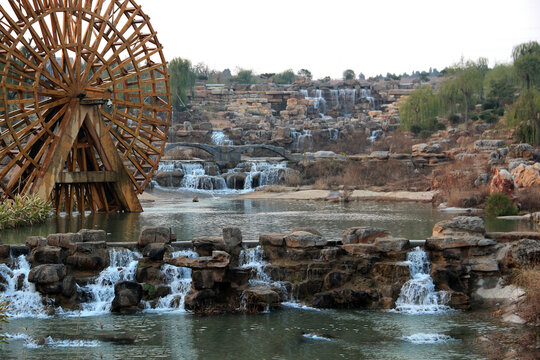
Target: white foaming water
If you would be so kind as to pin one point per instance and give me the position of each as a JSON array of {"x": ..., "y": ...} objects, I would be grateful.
[
  {"x": 23, "y": 299},
  {"x": 179, "y": 279},
  {"x": 220, "y": 138},
  {"x": 253, "y": 258},
  {"x": 347, "y": 99},
  {"x": 422, "y": 338},
  {"x": 418, "y": 295},
  {"x": 302, "y": 140},
  {"x": 269, "y": 174},
  {"x": 375, "y": 135},
  {"x": 319, "y": 102},
  {"x": 312, "y": 336},
  {"x": 195, "y": 178},
  {"x": 123, "y": 264}
]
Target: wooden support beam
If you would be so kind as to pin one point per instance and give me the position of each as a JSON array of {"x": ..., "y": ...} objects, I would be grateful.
[{"x": 88, "y": 177}]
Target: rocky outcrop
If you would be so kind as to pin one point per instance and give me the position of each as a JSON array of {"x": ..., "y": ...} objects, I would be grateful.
[
  {"x": 153, "y": 234},
  {"x": 127, "y": 297},
  {"x": 503, "y": 182},
  {"x": 527, "y": 175}
]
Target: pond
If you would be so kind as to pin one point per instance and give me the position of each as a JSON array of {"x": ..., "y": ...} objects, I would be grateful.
[
  {"x": 207, "y": 217},
  {"x": 282, "y": 334}
]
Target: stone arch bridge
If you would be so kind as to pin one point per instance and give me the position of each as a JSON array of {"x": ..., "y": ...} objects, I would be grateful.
[{"x": 225, "y": 154}]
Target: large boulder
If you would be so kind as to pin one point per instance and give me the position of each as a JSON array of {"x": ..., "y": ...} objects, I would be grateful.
[
  {"x": 431, "y": 148},
  {"x": 89, "y": 256},
  {"x": 155, "y": 251},
  {"x": 127, "y": 297},
  {"x": 232, "y": 236},
  {"x": 154, "y": 234},
  {"x": 204, "y": 246},
  {"x": 47, "y": 274},
  {"x": 503, "y": 182},
  {"x": 218, "y": 260},
  {"x": 363, "y": 235},
  {"x": 303, "y": 239},
  {"x": 259, "y": 298},
  {"x": 521, "y": 254},
  {"x": 48, "y": 255},
  {"x": 93, "y": 235},
  {"x": 527, "y": 175},
  {"x": 169, "y": 178},
  {"x": 272, "y": 239},
  {"x": 65, "y": 241},
  {"x": 461, "y": 226},
  {"x": 36, "y": 241}
]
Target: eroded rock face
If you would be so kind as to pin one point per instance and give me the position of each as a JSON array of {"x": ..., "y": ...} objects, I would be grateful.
[
  {"x": 218, "y": 260},
  {"x": 303, "y": 239},
  {"x": 461, "y": 226},
  {"x": 127, "y": 297},
  {"x": 47, "y": 274},
  {"x": 363, "y": 235},
  {"x": 151, "y": 235},
  {"x": 527, "y": 175},
  {"x": 503, "y": 182}
]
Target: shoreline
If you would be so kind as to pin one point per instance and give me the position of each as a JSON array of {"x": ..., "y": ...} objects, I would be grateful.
[{"x": 330, "y": 195}]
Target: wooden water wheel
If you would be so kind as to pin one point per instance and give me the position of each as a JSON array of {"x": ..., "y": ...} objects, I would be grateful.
[{"x": 84, "y": 102}]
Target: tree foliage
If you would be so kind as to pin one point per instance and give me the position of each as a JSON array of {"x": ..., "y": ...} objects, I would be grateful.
[
  {"x": 243, "y": 77},
  {"x": 463, "y": 84},
  {"x": 285, "y": 77},
  {"x": 305, "y": 73},
  {"x": 527, "y": 63},
  {"x": 419, "y": 109},
  {"x": 348, "y": 74},
  {"x": 182, "y": 82},
  {"x": 524, "y": 115},
  {"x": 500, "y": 84}
]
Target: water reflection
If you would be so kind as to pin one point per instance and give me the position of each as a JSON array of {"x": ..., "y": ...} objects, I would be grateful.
[{"x": 188, "y": 219}]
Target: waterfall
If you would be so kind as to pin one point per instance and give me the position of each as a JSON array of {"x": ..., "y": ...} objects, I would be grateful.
[
  {"x": 247, "y": 176},
  {"x": 267, "y": 173},
  {"x": 179, "y": 279},
  {"x": 195, "y": 178},
  {"x": 366, "y": 94},
  {"x": 123, "y": 265},
  {"x": 376, "y": 135},
  {"x": 302, "y": 140},
  {"x": 23, "y": 299},
  {"x": 333, "y": 134},
  {"x": 220, "y": 138},
  {"x": 418, "y": 295},
  {"x": 334, "y": 97},
  {"x": 319, "y": 102},
  {"x": 348, "y": 99},
  {"x": 253, "y": 258}
]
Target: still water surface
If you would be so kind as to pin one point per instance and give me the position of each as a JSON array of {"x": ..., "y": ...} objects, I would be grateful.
[
  {"x": 276, "y": 335},
  {"x": 210, "y": 215}
]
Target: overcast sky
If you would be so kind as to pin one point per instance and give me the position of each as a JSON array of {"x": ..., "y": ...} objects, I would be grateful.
[{"x": 327, "y": 37}]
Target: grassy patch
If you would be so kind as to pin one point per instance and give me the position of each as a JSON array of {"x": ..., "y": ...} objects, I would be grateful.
[{"x": 24, "y": 210}]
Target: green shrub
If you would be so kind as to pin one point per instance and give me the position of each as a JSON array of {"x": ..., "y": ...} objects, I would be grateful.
[
  {"x": 500, "y": 204},
  {"x": 415, "y": 129},
  {"x": 24, "y": 210},
  {"x": 440, "y": 126},
  {"x": 424, "y": 134},
  {"x": 474, "y": 117},
  {"x": 454, "y": 119}
]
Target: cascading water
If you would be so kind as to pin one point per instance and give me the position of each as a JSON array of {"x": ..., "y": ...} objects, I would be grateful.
[
  {"x": 347, "y": 99},
  {"x": 123, "y": 264},
  {"x": 333, "y": 134},
  {"x": 418, "y": 295},
  {"x": 179, "y": 279},
  {"x": 23, "y": 299},
  {"x": 303, "y": 141},
  {"x": 319, "y": 102},
  {"x": 195, "y": 178},
  {"x": 253, "y": 258},
  {"x": 220, "y": 138},
  {"x": 268, "y": 174},
  {"x": 366, "y": 94},
  {"x": 376, "y": 135}
]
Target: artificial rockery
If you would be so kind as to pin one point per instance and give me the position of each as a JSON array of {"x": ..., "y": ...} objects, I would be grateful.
[{"x": 365, "y": 269}]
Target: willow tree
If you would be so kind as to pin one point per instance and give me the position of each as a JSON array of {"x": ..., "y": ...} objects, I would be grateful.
[
  {"x": 524, "y": 115},
  {"x": 464, "y": 82},
  {"x": 420, "y": 109},
  {"x": 527, "y": 63},
  {"x": 182, "y": 82}
]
